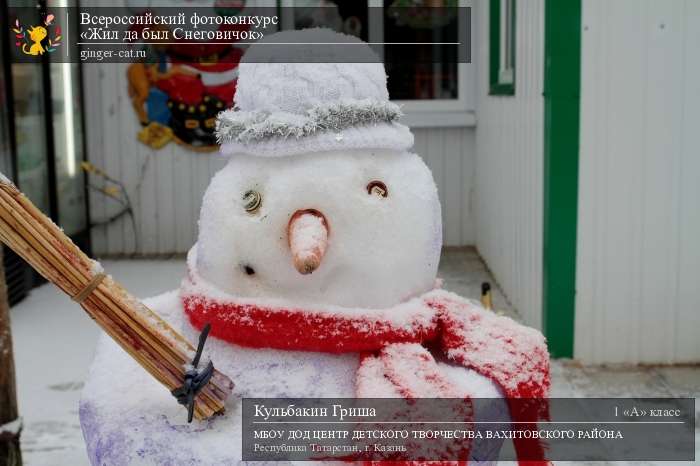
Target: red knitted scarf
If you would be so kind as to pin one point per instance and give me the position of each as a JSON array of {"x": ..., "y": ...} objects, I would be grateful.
[{"x": 389, "y": 340}]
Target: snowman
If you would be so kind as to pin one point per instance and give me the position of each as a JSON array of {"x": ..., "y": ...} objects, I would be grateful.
[{"x": 315, "y": 266}]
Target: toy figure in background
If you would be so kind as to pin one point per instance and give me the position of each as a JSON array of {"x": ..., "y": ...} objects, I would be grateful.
[{"x": 179, "y": 96}]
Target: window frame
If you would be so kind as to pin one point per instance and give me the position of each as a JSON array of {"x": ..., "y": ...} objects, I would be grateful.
[
  {"x": 498, "y": 50},
  {"x": 425, "y": 112}
]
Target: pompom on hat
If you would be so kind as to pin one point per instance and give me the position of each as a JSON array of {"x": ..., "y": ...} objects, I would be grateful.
[{"x": 312, "y": 102}]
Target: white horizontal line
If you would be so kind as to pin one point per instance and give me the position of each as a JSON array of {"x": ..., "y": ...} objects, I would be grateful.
[
  {"x": 269, "y": 43},
  {"x": 468, "y": 422}
]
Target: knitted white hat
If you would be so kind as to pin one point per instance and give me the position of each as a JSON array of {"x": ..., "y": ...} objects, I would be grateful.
[{"x": 318, "y": 105}]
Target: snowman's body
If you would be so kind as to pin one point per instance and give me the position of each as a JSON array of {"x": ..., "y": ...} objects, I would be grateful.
[
  {"x": 128, "y": 419},
  {"x": 381, "y": 251}
]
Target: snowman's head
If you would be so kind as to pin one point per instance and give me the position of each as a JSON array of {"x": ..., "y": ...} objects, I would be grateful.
[
  {"x": 321, "y": 202},
  {"x": 350, "y": 228}
]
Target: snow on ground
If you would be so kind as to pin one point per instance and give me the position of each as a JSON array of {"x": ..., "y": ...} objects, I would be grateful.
[{"x": 54, "y": 342}]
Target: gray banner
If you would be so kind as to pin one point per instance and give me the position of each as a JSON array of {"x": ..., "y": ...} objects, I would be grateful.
[
  {"x": 215, "y": 35},
  {"x": 614, "y": 429}
]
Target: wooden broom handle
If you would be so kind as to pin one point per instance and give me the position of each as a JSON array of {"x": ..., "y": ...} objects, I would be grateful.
[{"x": 151, "y": 341}]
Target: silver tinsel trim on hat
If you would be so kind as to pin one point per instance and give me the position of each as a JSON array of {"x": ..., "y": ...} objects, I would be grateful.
[{"x": 248, "y": 127}]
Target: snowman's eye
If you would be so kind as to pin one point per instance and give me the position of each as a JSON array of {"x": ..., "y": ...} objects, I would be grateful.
[
  {"x": 252, "y": 200},
  {"x": 377, "y": 188}
]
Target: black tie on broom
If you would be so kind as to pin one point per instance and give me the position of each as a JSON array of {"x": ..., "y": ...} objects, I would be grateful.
[{"x": 194, "y": 380}]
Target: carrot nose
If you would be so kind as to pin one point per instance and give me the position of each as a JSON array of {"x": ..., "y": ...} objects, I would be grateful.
[{"x": 307, "y": 234}]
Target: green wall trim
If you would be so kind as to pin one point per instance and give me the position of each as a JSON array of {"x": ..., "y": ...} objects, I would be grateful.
[
  {"x": 496, "y": 87},
  {"x": 562, "y": 84}
]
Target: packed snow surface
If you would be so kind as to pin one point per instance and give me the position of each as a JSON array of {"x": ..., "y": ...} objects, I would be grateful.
[
  {"x": 307, "y": 233},
  {"x": 308, "y": 240},
  {"x": 412, "y": 312},
  {"x": 381, "y": 250},
  {"x": 12, "y": 427},
  {"x": 130, "y": 419}
]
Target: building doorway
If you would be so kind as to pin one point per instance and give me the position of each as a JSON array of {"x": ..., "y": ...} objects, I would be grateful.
[{"x": 42, "y": 142}]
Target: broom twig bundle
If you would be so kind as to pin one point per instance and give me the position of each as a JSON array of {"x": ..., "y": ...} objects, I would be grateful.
[{"x": 156, "y": 346}]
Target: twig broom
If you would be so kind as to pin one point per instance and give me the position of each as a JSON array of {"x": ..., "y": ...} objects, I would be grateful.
[{"x": 156, "y": 346}]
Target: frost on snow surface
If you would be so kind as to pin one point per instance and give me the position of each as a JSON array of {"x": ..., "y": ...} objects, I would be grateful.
[
  {"x": 381, "y": 250},
  {"x": 307, "y": 232},
  {"x": 12, "y": 427},
  {"x": 96, "y": 268},
  {"x": 130, "y": 419}
]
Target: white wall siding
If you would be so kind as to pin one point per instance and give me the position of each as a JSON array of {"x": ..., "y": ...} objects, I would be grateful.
[
  {"x": 167, "y": 195},
  {"x": 509, "y": 146},
  {"x": 638, "y": 293},
  {"x": 450, "y": 154},
  {"x": 165, "y": 186}
]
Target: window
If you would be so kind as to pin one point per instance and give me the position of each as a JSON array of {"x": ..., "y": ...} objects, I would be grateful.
[
  {"x": 433, "y": 91},
  {"x": 433, "y": 76},
  {"x": 502, "y": 47},
  {"x": 45, "y": 110}
]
